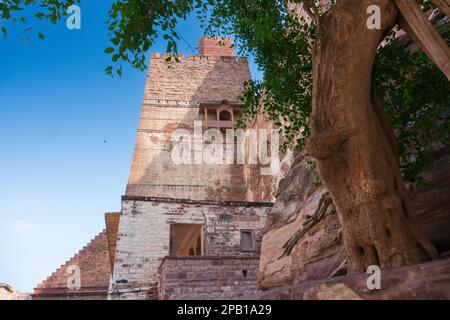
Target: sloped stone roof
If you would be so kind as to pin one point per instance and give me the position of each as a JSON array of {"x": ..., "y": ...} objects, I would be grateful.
[{"x": 93, "y": 261}]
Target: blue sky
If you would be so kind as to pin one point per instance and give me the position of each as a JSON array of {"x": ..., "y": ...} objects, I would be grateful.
[{"x": 67, "y": 135}]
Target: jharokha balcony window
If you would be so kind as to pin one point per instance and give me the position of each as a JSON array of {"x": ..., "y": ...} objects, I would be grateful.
[{"x": 222, "y": 115}]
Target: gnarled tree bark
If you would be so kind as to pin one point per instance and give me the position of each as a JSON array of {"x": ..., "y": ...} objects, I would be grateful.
[{"x": 354, "y": 145}]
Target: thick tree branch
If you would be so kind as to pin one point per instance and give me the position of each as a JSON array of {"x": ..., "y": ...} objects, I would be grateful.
[
  {"x": 443, "y": 5},
  {"x": 310, "y": 6},
  {"x": 422, "y": 32}
]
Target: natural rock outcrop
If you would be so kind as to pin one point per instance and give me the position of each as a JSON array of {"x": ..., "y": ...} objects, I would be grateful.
[
  {"x": 303, "y": 239},
  {"x": 303, "y": 235},
  {"x": 432, "y": 202},
  {"x": 423, "y": 281}
]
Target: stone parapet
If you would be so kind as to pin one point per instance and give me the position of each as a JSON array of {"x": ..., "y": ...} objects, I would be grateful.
[{"x": 207, "y": 277}]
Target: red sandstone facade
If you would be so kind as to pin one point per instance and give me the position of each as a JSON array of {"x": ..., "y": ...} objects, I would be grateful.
[
  {"x": 184, "y": 231},
  {"x": 196, "y": 215}
]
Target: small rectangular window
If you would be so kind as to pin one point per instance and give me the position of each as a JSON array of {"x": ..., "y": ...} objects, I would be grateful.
[{"x": 247, "y": 240}]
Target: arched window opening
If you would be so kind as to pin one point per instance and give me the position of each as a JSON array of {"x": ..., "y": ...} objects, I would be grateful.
[
  {"x": 225, "y": 115},
  {"x": 220, "y": 116}
]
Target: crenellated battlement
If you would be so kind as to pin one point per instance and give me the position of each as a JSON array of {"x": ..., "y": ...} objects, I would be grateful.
[
  {"x": 193, "y": 57},
  {"x": 194, "y": 78}
]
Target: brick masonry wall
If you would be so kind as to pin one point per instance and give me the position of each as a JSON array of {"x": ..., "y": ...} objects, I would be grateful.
[
  {"x": 144, "y": 235},
  {"x": 195, "y": 78},
  {"x": 218, "y": 47},
  {"x": 171, "y": 101},
  {"x": 155, "y": 174},
  {"x": 93, "y": 261},
  {"x": 207, "y": 278}
]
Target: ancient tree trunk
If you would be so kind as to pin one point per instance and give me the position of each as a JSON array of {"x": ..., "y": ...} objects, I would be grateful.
[{"x": 354, "y": 145}]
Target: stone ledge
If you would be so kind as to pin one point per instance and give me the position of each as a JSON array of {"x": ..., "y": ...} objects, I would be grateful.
[
  {"x": 94, "y": 293},
  {"x": 210, "y": 258},
  {"x": 198, "y": 57},
  {"x": 203, "y": 202}
]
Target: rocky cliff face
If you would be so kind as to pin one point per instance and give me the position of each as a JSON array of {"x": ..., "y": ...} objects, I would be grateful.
[
  {"x": 432, "y": 203},
  {"x": 303, "y": 235},
  {"x": 302, "y": 240}
]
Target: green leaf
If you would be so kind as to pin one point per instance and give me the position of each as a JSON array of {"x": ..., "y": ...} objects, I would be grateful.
[
  {"x": 41, "y": 36},
  {"x": 108, "y": 70},
  {"x": 109, "y": 50}
]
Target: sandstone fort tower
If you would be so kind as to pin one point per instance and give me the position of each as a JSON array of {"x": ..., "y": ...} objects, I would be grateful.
[{"x": 184, "y": 231}]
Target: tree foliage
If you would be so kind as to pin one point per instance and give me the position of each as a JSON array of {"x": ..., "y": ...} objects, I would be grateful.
[
  {"x": 414, "y": 91},
  {"x": 15, "y": 11},
  {"x": 416, "y": 96}
]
